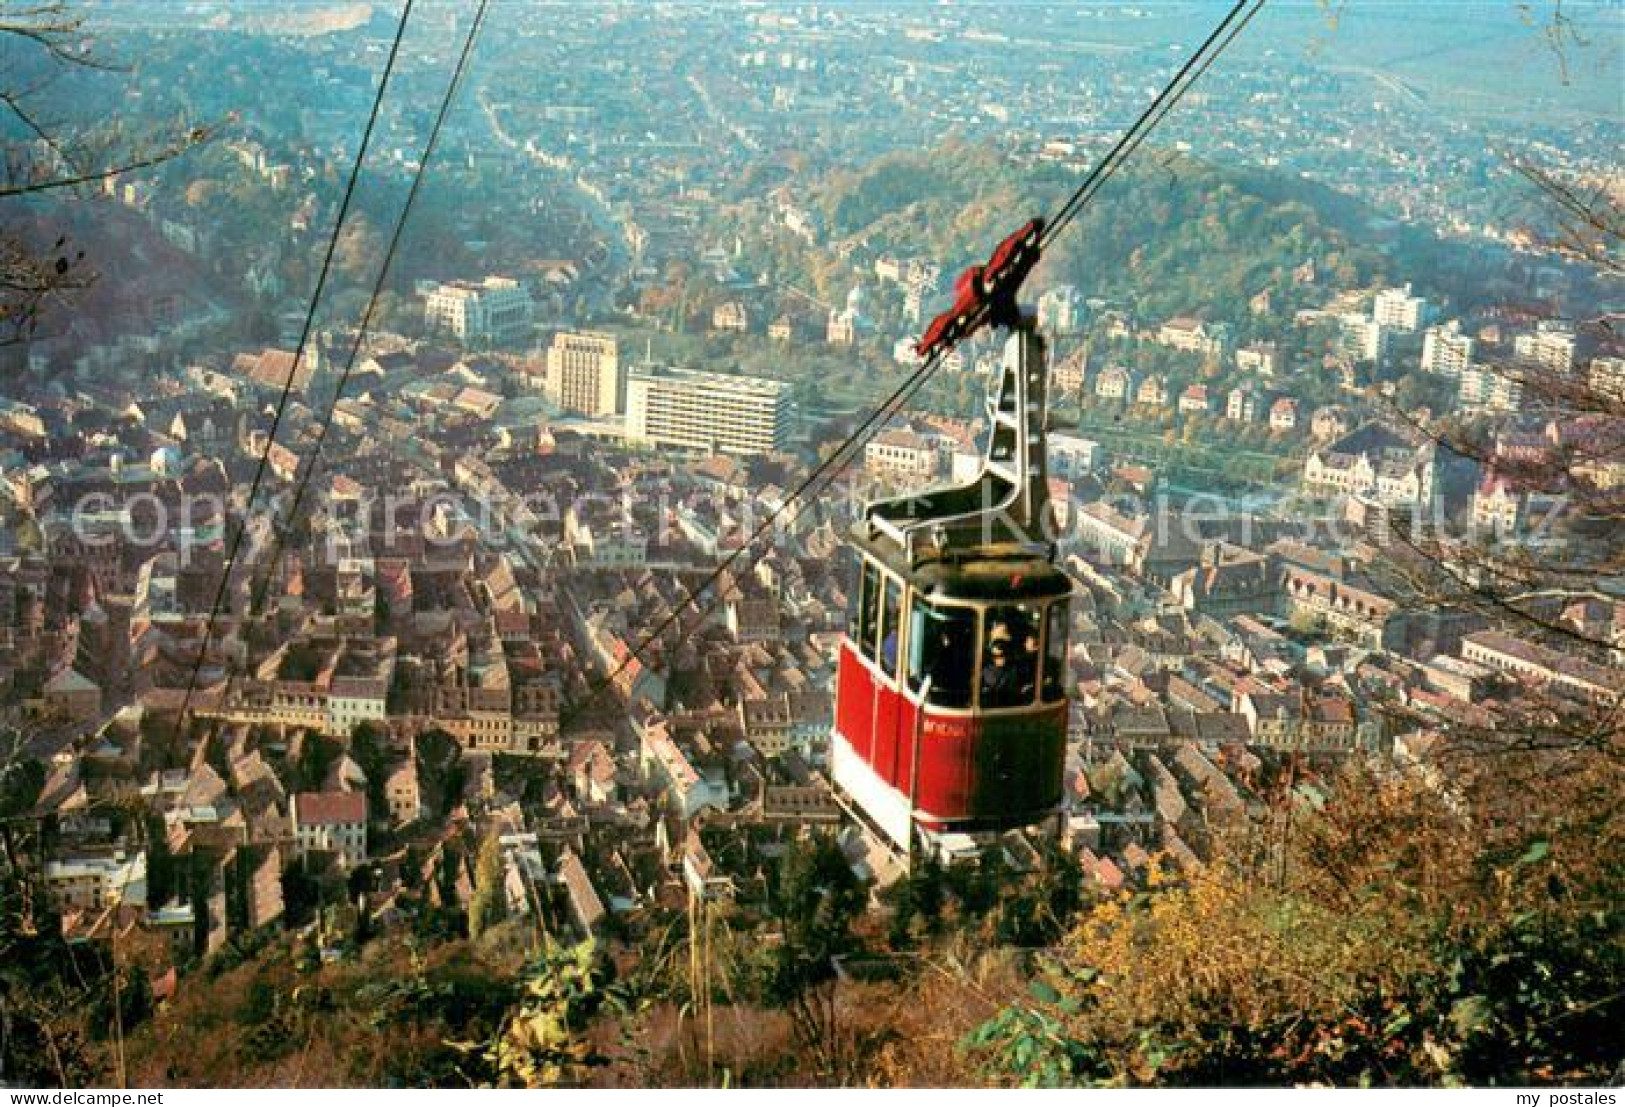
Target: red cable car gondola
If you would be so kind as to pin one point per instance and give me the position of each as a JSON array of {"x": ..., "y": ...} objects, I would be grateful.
[{"x": 951, "y": 708}]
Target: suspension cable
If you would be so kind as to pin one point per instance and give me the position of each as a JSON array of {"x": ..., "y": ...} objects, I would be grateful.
[
  {"x": 837, "y": 461},
  {"x": 235, "y": 547},
  {"x": 257, "y": 598},
  {"x": 1159, "y": 107}
]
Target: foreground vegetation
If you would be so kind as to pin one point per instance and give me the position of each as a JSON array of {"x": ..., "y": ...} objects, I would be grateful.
[{"x": 1393, "y": 935}]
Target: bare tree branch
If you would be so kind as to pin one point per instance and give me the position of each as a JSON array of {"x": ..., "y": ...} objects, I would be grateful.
[
  {"x": 56, "y": 29},
  {"x": 58, "y": 158},
  {"x": 1593, "y": 224},
  {"x": 174, "y": 149}
]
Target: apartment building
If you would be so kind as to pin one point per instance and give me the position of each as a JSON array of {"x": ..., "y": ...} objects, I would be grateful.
[
  {"x": 497, "y": 309},
  {"x": 707, "y": 411},
  {"x": 584, "y": 373}
]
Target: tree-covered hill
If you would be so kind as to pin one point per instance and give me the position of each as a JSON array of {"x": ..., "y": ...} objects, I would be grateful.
[{"x": 1167, "y": 235}]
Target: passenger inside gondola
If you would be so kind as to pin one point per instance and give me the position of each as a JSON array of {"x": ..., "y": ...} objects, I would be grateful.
[
  {"x": 942, "y": 647},
  {"x": 1009, "y": 660},
  {"x": 888, "y": 651}
]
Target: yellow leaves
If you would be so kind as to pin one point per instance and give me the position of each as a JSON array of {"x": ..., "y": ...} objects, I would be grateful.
[
  {"x": 543, "y": 1044},
  {"x": 1219, "y": 944},
  {"x": 1156, "y": 873}
]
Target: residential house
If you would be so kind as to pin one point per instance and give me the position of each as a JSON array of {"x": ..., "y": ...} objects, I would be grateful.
[
  {"x": 730, "y": 316},
  {"x": 1259, "y": 357},
  {"x": 1115, "y": 383},
  {"x": 1284, "y": 414},
  {"x": 1193, "y": 336},
  {"x": 1194, "y": 400},
  {"x": 331, "y": 822},
  {"x": 1153, "y": 391},
  {"x": 403, "y": 793},
  {"x": 95, "y": 882},
  {"x": 1242, "y": 405}
]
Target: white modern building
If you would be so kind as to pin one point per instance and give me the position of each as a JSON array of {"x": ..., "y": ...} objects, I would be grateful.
[
  {"x": 1607, "y": 377},
  {"x": 498, "y": 309},
  {"x": 1060, "y": 310},
  {"x": 1487, "y": 389},
  {"x": 1072, "y": 456},
  {"x": 1446, "y": 352},
  {"x": 1398, "y": 310},
  {"x": 584, "y": 373},
  {"x": 707, "y": 411},
  {"x": 1550, "y": 346},
  {"x": 1362, "y": 338}
]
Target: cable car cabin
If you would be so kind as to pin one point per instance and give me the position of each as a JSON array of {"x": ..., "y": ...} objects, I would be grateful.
[
  {"x": 951, "y": 698},
  {"x": 951, "y": 709}
]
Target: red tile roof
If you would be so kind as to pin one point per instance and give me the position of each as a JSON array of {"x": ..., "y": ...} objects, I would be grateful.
[{"x": 330, "y": 808}]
